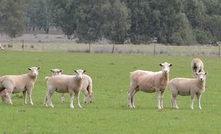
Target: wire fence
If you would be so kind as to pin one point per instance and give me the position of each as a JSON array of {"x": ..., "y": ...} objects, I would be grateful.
[{"x": 60, "y": 43}]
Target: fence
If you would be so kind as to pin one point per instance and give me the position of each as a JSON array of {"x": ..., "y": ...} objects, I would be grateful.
[{"x": 60, "y": 43}]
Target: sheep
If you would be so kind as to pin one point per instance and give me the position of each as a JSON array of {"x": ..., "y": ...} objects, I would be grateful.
[
  {"x": 197, "y": 66},
  {"x": 149, "y": 82},
  {"x": 86, "y": 89},
  {"x": 19, "y": 83},
  {"x": 86, "y": 86},
  {"x": 1, "y": 47},
  {"x": 64, "y": 84},
  {"x": 188, "y": 87}
]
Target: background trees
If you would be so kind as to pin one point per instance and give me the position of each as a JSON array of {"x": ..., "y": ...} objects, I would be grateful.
[{"x": 175, "y": 22}]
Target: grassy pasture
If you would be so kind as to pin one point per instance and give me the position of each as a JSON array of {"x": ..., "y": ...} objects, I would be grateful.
[{"x": 109, "y": 112}]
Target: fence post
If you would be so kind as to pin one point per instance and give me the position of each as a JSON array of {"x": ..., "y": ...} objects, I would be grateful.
[
  {"x": 219, "y": 51},
  {"x": 113, "y": 48},
  {"x": 22, "y": 45}
]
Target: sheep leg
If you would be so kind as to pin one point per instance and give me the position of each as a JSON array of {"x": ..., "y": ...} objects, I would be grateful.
[
  {"x": 62, "y": 98},
  {"x": 85, "y": 95},
  {"x": 192, "y": 100},
  {"x": 71, "y": 99},
  {"x": 173, "y": 101},
  {"x": 132, "y": 91},
  {"x": 9, "y": 98},
  {"x": 77, "y": 96},
  {"x": 89, "y": 89},
  {"x": 30, "y": 98},
  {"x": 199, "y": 98},
  {"x": 159, "y": 99},
  {"x": 48, "y": 99},
  {"x": 133, "y": 98},
  {"x": 24, "y": 94}
]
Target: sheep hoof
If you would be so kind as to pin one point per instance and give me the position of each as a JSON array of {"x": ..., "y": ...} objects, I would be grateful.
[
  {"x": 52, "y": 106},
  {"x": 71, "y": 106}
]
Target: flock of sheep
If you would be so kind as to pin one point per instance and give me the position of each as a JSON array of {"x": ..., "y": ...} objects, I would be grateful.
[
  {"x": 58, "y": 82},
  {"x": 146, "y": 81}
]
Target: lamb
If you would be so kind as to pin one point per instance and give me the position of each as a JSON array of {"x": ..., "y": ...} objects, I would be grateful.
[
  {"x": 64, "y": 84},
  {"x": 197, "y": 66},
  {"x": 86, "y": 86},
  {"x": 19, "y": 83},
  {"x": 149, "y": 82},
  {"x": 188, "y": 87}
]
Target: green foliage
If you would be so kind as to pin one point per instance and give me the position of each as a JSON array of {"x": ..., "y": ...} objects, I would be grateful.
[
  {"x": 12, "y": 17},
  {"x": 109, "y": 112},
  {"x": 175, "y": 22}
]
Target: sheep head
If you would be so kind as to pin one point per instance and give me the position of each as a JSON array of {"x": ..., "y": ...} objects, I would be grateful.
[
  {"x": 165, "y": 67},
  {"x": 33, "y": 71},
  {"x": 56, "y": 71},
  {"x": 79, "y": 73},
  {"x": 201, "y": 76}
]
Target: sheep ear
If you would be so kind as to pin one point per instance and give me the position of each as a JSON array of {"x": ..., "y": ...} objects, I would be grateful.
[
  {"x": 38, "y": 68},
  {"x": 29, "y": 69},
  {"x": 161, "y": 64},
  {"x": 61, "y": 70},
  {"x": 75, "y": 71},
  {"x": 171, "y": 65},
  {"x": 51, "y": 70},
  {"x": 84, "y": 71},
  {"x": 206, "y": 73}
]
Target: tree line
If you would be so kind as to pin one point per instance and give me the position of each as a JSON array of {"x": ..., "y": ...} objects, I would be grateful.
[{"x": 175, "y": 22}]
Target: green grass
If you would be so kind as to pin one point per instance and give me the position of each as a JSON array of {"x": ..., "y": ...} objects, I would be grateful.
[{"x": 109, "y": 112}]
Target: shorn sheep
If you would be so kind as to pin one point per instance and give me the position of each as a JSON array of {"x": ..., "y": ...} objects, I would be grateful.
[
  {"x": 197, "y": 66},
  {"x": 64, "y": 84},
  {"x": 188, "y": 87},
  {"x": 19, "y": 83},
  {"x": 149, "y": 82},
  {"x": 86, "y": 86}
]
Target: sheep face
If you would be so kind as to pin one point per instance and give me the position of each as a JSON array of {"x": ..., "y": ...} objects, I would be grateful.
[
  {"x": 201, "y": 76},
  {"x": 33, "y": 71},
  {"x": 56, "y": 71},
  {"x": 79, "y": 73},
  {"x": 165, "y": 67}
]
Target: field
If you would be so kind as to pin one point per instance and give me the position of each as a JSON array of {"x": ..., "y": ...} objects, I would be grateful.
[{"x": 109, "y": 112}]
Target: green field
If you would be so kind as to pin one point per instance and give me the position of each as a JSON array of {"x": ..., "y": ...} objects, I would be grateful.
[{"x": 109, "y": 112}]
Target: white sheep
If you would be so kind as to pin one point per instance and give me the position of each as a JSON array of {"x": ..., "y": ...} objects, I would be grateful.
[
  {"x": 149, "y": 82},
  {"x": 1, "y": 47},
  {"x": 86, "y": 86},
  {"x": 19, "y": 83},
  {"x": 64, "y": 84},
  {"x": 197, "y": 66},
  {"x": 188, "y": 87}
]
